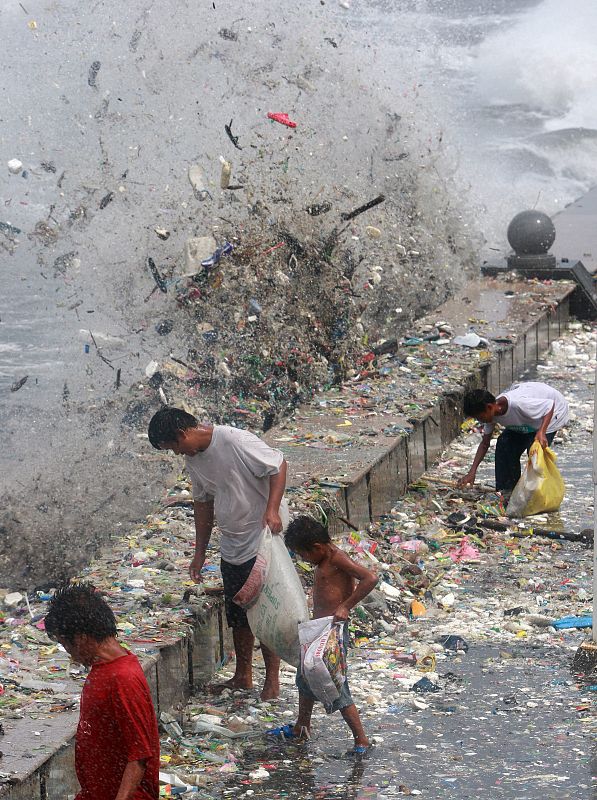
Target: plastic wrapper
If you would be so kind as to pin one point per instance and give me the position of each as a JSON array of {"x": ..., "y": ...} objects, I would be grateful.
[{"x": 323, "y": 657}]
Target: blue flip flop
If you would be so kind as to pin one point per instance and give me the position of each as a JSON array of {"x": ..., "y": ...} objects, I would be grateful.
[
  {"x": 284, "y": 731},
  {"x": 361, "y": 750}
]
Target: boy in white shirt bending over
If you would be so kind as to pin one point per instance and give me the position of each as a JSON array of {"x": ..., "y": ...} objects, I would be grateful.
[{"x": 528, "y": 412}]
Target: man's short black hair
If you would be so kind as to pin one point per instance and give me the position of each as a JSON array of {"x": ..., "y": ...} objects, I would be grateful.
[
  {"x": 78, "y": 608},
  {"x": 303, "y": 532},
  {"x": 166, "y": 424},
  {"x": 476, "y": 400}
]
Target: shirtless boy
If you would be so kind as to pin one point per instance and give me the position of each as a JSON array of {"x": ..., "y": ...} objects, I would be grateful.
[{"x": 340, "y": 584}]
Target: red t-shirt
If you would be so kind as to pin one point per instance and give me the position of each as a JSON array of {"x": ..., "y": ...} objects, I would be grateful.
[{"x": 117, "y": 725}]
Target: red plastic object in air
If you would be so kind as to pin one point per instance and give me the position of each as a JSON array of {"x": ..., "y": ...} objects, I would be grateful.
[{"x": 282, "y": 119}]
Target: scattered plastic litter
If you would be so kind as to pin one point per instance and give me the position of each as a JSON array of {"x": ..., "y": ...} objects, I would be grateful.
[
  {"x": 472, "y": 340},
  {"x": 573, "y": 622},
  {"x": 424, "y": 686},
  {"x": 454, "y": 643}
]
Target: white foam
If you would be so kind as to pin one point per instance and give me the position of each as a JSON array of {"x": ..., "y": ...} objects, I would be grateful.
[{"x": 546, "y": 59}]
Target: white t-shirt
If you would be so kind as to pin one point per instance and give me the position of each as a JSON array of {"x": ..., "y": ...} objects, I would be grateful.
[
  {"x": 528, "y": 403},
  {"x": 234, "y": 471}
]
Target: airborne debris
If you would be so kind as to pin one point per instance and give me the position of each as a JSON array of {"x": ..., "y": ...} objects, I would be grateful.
[
  {"x": 93, "y": 70},
  {"x": 315, "y": 209},
  {"x": 283, "y": 119},
  {"x": 134, "y": 42},
  {"x": 105, "y": 200},
  {"x": 233, "y": 139},
  {"x": 471, "y": 339},
  {"x": 165, "y": 327},
  {"x": 216, "y": 256},
  {"x": 198, "y": 182},
  {"x": 226, "y": 173},
  {"x": 6, "y": 227},
  {"x": 361, "y": 209},
  {"x": 159, "y": 280},
  {"x": 17, "y": 384}
]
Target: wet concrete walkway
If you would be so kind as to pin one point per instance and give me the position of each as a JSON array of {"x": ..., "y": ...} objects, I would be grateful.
[{"x": 505, "y": 725}]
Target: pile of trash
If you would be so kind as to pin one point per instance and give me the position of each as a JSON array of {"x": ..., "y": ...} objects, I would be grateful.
[
  {"x": 282, "y": 306},
  {"x": 268, "y": 321},
  {"x": 455, "y": 574}
]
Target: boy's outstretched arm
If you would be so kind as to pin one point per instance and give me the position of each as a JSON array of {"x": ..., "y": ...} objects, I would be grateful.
[
  {"x": 367, "y": 581},
  {"x": 469, "y": 478}
]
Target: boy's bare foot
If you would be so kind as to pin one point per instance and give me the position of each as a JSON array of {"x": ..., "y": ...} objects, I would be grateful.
[
  {"x": 270, "y": 691},
  {"x": 362, "y": 742}
]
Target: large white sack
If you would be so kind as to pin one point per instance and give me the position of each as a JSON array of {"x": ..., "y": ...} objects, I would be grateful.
[
  {"x": 281, "y": 605},
  {"x": 251, "y": 589}
]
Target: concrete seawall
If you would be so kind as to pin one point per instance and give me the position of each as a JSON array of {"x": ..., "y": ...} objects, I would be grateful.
[{"x": 359, "y": 481}]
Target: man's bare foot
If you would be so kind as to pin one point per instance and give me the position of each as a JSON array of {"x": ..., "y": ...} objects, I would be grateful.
[
  {"x": 232, "y": 684},
  {"x": 270, "y": 691}
]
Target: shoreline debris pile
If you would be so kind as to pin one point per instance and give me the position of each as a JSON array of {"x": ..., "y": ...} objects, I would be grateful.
[{"x": 265, "y": 328}]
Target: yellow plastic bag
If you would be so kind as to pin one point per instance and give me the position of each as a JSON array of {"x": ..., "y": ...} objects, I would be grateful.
[{"x": 541, "y": 486}]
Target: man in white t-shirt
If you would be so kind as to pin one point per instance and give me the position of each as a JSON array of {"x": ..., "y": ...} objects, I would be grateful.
[
  {"x": 238, "y": 480},
  {"x": 528, "y": 412}
]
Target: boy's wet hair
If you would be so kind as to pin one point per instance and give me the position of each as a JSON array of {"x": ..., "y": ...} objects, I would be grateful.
[
  {"x": 304, "y": 532},
  {"x": 476, "y": 400},
  {"x": 167, "y": 423},
  {"x": 78, "y": 608}
]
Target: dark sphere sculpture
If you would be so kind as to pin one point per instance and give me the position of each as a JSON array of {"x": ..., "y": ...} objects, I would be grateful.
[{"x": 531, "y": 233}]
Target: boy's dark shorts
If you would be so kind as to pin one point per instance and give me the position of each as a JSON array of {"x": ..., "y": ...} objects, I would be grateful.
[
  {"x": 345, "y": 698},
  {"x": 234, "y": 577}
]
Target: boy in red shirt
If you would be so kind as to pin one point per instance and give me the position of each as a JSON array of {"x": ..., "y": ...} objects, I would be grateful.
[{"x": 117, "y": 746}]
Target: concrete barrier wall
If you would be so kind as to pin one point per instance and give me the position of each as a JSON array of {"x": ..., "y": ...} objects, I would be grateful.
[{"x": 191, "y": 660}]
